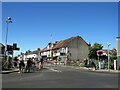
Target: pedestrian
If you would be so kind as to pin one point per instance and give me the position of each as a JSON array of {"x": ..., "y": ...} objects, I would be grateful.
[
  {"x": 29, "y": 65},
  {"x": 15, "y": 62},
  {"x": 41, "y": 63},
  {"x": 33, "y": 61},
  {"x": 93, "y": 64},
  {"x": 21, "y": 66}
]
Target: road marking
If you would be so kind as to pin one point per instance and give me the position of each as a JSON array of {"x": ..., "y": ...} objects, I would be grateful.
[{"x": 54, "y": 70}]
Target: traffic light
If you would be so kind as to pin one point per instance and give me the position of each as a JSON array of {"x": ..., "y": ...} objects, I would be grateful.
[
  {"x": 14, "y": 46},
  {"x": 9, "y": 48}
]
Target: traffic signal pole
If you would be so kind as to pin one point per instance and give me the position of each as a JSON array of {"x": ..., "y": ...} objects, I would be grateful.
[
  {"x": 5, "y": 56},
  {"x": 6, "y": 42},
  {"x": 12, "y": 57}
]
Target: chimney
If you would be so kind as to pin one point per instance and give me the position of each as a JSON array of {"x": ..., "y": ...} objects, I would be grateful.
[
  {"x": 49, "y": 43},
  {"x": 56, "y": 41}
]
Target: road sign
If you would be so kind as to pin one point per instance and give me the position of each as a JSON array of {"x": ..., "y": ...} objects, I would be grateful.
[{"x": 100, "y": 52}]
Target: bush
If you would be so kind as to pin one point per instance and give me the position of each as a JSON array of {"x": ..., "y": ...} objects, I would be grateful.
[
  {"x": 106, "y": 65},
  {"x": 82, "y": 63}
]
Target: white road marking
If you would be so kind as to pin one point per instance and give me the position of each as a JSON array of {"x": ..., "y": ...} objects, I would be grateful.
[{"x": 54, "y": 70}]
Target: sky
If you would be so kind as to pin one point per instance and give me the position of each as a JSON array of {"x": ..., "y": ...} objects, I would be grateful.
[{"x": 34, "y": 22}]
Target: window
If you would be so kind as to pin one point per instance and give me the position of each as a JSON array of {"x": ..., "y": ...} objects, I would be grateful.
[{"x": 62, "y": 50}]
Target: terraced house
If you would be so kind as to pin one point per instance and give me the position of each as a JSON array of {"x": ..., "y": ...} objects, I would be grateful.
[{"x": 74, "y": 48}]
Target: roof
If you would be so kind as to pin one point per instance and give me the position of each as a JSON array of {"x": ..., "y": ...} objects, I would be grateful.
[
  {"x": 110, "y": 51},
  {"x": 45, "y": 49},
  {"x": 63, "y": 43},
  {"x": 48, "y": 49},
  {"x": 35, "y": 52}
]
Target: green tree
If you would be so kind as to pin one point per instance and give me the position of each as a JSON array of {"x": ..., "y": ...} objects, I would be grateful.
[
  {"x": 93, "y": 50},
  {"x": 113, "y": 54}
]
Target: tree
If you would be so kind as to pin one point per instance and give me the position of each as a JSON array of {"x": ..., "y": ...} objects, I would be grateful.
[
  {"x": 93, "y": 50},
  {"x": 113, "y": 54}
]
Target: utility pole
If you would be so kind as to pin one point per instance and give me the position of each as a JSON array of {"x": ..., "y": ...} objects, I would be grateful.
[{"x": 108, "y": 57}]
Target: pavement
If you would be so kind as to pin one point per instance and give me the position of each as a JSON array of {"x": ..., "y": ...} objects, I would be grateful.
[
  {"x": 92, "y": 69},
  {"x": 79, "y": 68},
  {"x": 9, "y": 71}
]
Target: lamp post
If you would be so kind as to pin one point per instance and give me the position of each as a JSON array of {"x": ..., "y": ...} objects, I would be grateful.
[
  {"x": 108, "y": 57},
  {"x": 8, "y": 20},
  {"x": 51, "y": 47}
]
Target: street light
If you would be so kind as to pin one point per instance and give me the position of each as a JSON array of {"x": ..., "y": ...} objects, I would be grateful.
[
  {"x": 8, "y": 20},
  {"x": 108, "y": 56}
]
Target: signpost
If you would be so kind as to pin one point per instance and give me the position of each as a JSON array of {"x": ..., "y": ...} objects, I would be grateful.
[{"x": 99, "y": 53}]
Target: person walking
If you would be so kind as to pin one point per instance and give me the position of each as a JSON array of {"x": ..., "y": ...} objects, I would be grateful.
[
  {"x": 41, "y": 63},
  {"x": 15, "y": 62},
  {"x": 29, "y": 65},
  {"x": 21, "y": 66},
  {"x": 93, "y": 64}
]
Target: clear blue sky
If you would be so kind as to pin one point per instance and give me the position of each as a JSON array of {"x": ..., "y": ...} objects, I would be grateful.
[{"x": 33, "y": 23}]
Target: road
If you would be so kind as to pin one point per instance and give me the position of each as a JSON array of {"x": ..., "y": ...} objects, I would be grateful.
[{"x": 60, "y": 77}]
